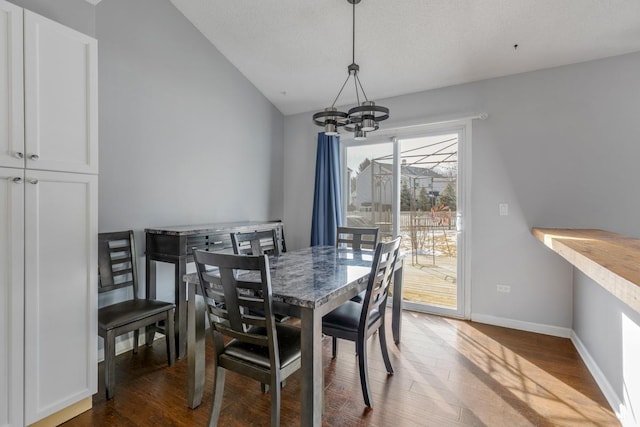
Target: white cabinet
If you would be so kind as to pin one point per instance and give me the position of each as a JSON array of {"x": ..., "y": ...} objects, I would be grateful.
[
  {"x": 48, "y": 217},
  {"x": 11, "y": 87},
  {"x": 48, "y": 94},
  {"x": 60, "y": 96},
  {"x": 11, "y": 296},
  {"x": 48, "y": 289},
  {"x": 60, "y": 290}
]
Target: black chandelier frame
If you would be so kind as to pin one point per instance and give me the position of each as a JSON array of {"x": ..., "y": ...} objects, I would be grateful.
[{"x": 363, "y": 118}]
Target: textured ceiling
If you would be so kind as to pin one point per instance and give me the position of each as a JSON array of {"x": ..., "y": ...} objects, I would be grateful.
[{"x": 296, "y": 52}]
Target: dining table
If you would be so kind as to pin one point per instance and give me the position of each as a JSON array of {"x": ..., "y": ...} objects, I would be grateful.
[{"x": 311, "y": 282}]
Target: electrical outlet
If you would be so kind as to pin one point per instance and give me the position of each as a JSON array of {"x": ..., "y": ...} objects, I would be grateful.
[
  {"x": 505, "y": 289},
  {"x": 504, "y": 209}
]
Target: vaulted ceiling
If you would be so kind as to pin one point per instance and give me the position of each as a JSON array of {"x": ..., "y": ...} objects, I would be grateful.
[{"x": 296, "y": 52}]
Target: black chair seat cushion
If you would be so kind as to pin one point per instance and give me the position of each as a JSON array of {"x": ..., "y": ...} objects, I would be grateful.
[
  {"x": 360, "y": 297},
  {"x": 347, "y": 317},
  {"x": 280, "y": 310},
  {"x": 288, "y": 345},
  {"x": 116, "y": 315}
]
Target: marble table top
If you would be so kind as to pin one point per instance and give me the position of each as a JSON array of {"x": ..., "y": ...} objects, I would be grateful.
[
  {"x": 187, "y": 230},
  {"x": 312, "y": 276}
]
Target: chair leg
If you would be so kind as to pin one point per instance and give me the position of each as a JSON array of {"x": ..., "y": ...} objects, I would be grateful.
[
  {"x": 385, "y": 351},
  {"x": 170, "y": 338},
  {"x": 275, "y": 400},
  {"x": 110, "y": 364},
  {"x": 136, "y": 335},
  {"x": 334, "y": 347},
  {"x": 361, "y": 345},
  {"x": 218, "y": 390},
  {"x": 264, "y": 388},
  {"x": 150, "y": 333}
]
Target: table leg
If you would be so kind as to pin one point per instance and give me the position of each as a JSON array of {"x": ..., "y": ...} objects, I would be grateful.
[
  {"x": 150, "y": 292},
  {"x": 396, "y": 315},
  {"x": 181, "y": 307},
  {"x": 312, "y": 375},
  {"x": 195, "y": 348}
]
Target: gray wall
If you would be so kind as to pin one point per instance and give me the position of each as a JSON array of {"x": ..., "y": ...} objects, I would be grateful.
[
  {"x": 610, "y": 331},
  {"x": 184, "y": 137},
  {"x": 560, "y": 146}
]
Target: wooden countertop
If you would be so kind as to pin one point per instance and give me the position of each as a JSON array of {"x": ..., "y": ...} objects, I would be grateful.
[{"x": 610, "y": 259}]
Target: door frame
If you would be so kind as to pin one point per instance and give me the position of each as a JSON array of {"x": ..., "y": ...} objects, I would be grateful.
[{"x": 463, "y": 221}]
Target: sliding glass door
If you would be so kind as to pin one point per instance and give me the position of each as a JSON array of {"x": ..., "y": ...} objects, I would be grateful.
[{"x": 410, "y": 186}]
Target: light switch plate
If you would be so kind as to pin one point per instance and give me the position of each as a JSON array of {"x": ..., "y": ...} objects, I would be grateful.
[{"x": 504, "y": 209}]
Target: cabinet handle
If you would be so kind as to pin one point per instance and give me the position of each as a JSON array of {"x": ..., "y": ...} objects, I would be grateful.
[
  {"x": 32, "y": 181},
  {"x": 17, "y": 180},
  {"x": 34, "y": 157},
  {"x": 19, "y": 155}
]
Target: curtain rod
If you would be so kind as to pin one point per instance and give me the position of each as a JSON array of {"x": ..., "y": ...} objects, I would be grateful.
[
  {"x": 436, "y": 120},
  {"x": 420, "y": 123}
]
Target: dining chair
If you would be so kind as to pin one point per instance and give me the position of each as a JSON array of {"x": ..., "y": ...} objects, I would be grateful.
[
  {"x": 259, "y": 243},
  {"x": 117, "y": 269},
  {"x": 357, "y": 322},
  {"x": 256, "y": 242},
  {"x": 357, "y": 238},
  {"x": 260, "y": 348}
]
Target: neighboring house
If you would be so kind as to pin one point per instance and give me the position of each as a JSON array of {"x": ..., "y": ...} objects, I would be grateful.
[{"x": 381, "y": 181}]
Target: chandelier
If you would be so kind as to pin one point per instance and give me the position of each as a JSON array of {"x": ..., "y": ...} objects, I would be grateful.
[{"x": 360, "y": 119}]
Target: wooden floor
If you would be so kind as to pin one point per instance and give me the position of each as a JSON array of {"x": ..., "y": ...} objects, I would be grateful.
[{"x": 447, "y": 373}]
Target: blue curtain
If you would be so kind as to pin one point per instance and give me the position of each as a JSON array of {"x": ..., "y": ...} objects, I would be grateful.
[{"x": 327, "y": 201}]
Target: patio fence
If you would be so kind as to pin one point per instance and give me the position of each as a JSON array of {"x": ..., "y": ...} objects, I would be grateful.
[{"x": 419, "y": 219}]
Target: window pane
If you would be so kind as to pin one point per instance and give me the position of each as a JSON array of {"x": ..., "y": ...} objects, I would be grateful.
[
  {"x": 370, "y": 199},
  {"x": 429, "y": 178}
]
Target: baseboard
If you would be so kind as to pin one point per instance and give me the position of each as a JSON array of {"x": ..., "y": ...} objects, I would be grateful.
[
  {"x": 65, "y": 414},
  {"x": 124, "y": 344},
  {"x": 621, "y": 411},
  {"x": 539, "y": 328}
]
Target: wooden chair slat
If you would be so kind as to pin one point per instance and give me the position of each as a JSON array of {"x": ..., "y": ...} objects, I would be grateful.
[
  {"x": 357, "y": 237},
  {"x": 256, "y": 243}
]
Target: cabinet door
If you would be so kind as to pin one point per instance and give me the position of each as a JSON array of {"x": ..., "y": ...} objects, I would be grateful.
[
  {"x": 61, "y": 103},
  {"x": 11, "y": 295},
  {"x": 60, "y": 290},
  {"x": 11, "y": 91}
]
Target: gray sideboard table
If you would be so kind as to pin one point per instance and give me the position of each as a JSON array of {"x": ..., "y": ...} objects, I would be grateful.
[{"x": 174, "y": 245}]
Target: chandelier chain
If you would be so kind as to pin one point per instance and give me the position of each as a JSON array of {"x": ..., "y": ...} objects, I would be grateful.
[
  {"x": 361, "y": 88},
  {"x": 341, "y": 89},
  {"x": 362, "y": 118},
  {"x": 353, "y": 35}
]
